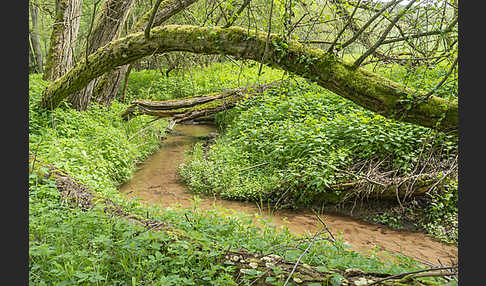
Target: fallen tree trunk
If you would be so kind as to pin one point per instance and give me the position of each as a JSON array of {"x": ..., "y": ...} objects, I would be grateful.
[
  {"x": 194, "y": 107},
  {"x": 361, "y": 86}
]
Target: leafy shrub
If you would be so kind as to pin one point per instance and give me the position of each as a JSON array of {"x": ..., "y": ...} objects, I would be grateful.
[
  {"x": 151, "y": 84},
  {"x": 304, "y": 135},
  {"x": 96, "y": 146}
]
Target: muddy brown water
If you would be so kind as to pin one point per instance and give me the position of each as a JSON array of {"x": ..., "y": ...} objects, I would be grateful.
[{"x": 158, "y": 182}]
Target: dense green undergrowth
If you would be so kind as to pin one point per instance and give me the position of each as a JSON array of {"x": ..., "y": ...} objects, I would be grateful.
[
  {"x": 70, "y": 246},
  {"x": 152, "y": 84},
  {"x": 95, "y": 146},
  {"x": 291, "y": 145}
]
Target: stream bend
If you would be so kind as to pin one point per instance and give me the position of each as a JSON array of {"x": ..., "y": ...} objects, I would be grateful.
[{"x": 158, "y": 182}]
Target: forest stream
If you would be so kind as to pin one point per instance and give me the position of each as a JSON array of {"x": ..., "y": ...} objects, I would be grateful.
[{"x": 158, "y": 182}]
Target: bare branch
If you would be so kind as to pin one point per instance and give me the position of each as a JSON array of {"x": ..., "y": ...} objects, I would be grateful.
[
  {"x": 268, "y": 39},
  {"x": 151, "y": 20},
  {"x": 430, "y": 93},
  {"x": 330, "y": 50},
  {"x": 429, "y": 33},
  {"x": 358, "y": 62},
  {"x": 235, "y": 17},
  {"x": 380, "y": 12}
]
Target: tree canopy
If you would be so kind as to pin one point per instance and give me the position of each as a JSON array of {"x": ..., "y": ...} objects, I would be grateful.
[{"x": 351, "y": 36}]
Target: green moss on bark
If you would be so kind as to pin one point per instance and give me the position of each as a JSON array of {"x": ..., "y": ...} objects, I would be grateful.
[{"x": 363, "y": 87}]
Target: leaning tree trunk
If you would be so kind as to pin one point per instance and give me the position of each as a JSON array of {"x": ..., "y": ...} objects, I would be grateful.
[
  {"x": 64, "y": 33},
  {"x": 107, "y": 28},
  {"x": 34, "y": 37},
  {"x": 109, "y": 84},
  {"x": 359, "y": 85}
]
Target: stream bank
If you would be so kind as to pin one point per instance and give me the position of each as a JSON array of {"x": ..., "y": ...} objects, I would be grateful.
[{"x": 158, "y": 182}]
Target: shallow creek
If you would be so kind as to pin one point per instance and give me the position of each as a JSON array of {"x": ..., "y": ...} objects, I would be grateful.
[{"x": 158, "y": 182}]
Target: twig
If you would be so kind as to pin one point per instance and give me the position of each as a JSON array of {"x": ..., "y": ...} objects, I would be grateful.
[
  {"x": 145, "y": 128},
  {"x": 360, "y": 60},
  {"x": 363, "y": 177},
  {"x": 90, "y": 29},
  {"x": 331, "y": 48},
  {"x": 189, "y": 221},
  {"x": 413, "y": 272},
  {"x": 325, "y": 225},
  {"x": 430, "y": 93},
  {"x": 151, "y": 20},
  {"x": 444, "y": 175},
  {"x": 171, "y": 125},
  {"x": 267, "y": 41},
  {"x": 237, "y": 14},
  {"x": 429, "y": 33},
  {"x": 258, "y": 278},
  {"x": 35, "y": 154},
  {"x": 300, "y": 257},
  {"x": 357, "y": 34}
]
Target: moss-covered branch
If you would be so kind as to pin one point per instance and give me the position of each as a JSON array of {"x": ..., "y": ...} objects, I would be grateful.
[
  {"x": 193, "y": 107},
  {"x": 108, "y": 85},
  {"x": 361, "y": 86}
]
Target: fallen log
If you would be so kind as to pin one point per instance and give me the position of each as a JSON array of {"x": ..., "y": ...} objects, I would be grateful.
[
  {"x": 75, "y": 194},
  {"x": 195, "y": 107}
]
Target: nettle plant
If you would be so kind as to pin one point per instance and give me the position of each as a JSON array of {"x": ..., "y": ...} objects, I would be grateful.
[
  {"x": 303, "y": 135},
  {"x": 153, "y": 85}
]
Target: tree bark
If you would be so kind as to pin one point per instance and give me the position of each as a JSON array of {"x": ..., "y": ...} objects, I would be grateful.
[
  {"x": 32, "y": 61},
  {"x": 125, "y": 83},
  {"x": 64, "y": 33},
  {"x": 195, "y": 107},
  {"x": 107, "y": 27},
  {"x": 109, "y": 84},
  {"x": 34, "y": 36},
  {"x": 359, "y": 85}
]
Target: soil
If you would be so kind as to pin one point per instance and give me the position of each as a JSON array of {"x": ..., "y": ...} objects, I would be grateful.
[{"x": 158, "y": 182}]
